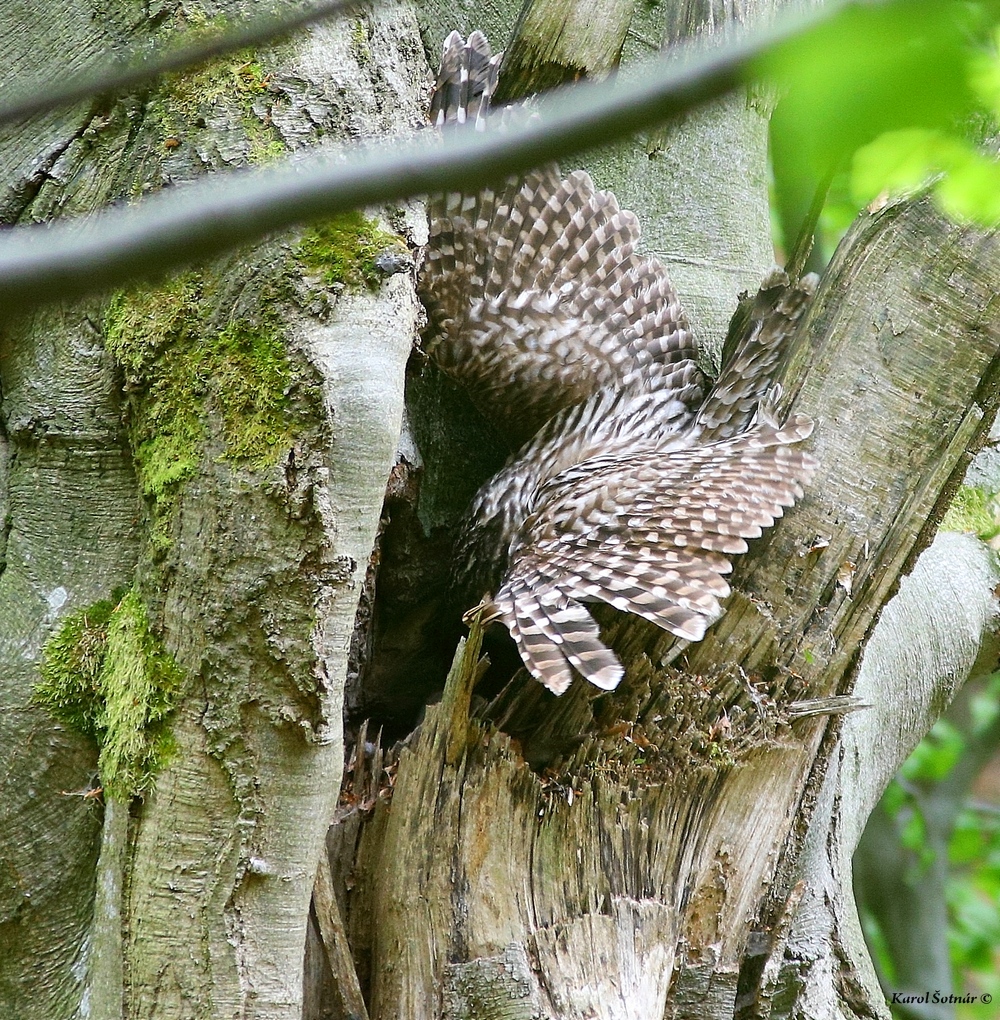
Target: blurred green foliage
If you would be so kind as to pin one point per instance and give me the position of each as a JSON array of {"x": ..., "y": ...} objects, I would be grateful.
[
  {"x": 887, "y": 98},
  {"x": 972, "y": 890}
]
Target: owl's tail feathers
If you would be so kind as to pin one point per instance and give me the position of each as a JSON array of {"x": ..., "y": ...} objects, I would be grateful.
[
  {"x": 466, "y": 81},
  {"x": 756, "y": 348},
  {"x": 555, "y": 634},
  {"x": 663, "y": 555}
]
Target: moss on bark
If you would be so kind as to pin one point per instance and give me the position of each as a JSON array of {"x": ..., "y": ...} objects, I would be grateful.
[
  {"x": 234, "y": 82},
  {"x": 345, "y": 250},
  {"x": 105, "y": 674},
  {"x": 973, "y": 510},
  {"x": 188, "y": 377}
]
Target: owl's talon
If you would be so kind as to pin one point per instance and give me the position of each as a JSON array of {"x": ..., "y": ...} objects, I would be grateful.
[{"x": 486, "y": 611}]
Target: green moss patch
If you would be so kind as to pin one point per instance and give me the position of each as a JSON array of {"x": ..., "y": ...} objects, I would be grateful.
[
  {"x": 239, "y": 77},
  {"x": 187, "y": 378},
  {"x": 973, "y": 510},
  {"x": 233, "y": 81},
  {"x": 236, "y": 82},
  {"x": 107, "y": 676},
  {"x": 343, "y": 249}
]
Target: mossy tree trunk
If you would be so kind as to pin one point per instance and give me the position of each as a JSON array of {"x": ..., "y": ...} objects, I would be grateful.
[{"x": 192, "y": 476}]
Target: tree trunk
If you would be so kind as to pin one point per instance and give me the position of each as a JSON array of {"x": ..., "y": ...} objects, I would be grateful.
[
  {"x": 234, "y": 492},
  {"x": 191, "y": 477},
  {"x": 652, "y": 868},
  {"x": 906, "y": 891}
]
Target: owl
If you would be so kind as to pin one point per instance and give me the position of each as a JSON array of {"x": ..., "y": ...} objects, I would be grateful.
[{"x": 637, "y": 478}]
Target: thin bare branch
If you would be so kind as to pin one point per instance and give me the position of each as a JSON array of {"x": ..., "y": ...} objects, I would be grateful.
[{"x": 177, "y": 228}]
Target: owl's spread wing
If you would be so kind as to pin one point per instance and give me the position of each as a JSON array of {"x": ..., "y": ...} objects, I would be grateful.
[
  {"x": 635, "y": 490},
  {"x": 535, "y": 294},
  {"x": 538, "y": 299},
  {"x": 649, "y": 534}
]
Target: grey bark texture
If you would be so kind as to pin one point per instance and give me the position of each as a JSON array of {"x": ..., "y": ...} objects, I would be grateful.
[
  {"x": 686, "y": 852},
  {"x": 928, "y": 640},
  {"x": 70, "y": 538},
  {"x": 700, "y": 185},
  {"x": 905, "y": 890},
  {"x": 202, "y": 895}
]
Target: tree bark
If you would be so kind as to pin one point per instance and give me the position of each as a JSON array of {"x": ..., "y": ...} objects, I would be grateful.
[
  {"x": 937, "y": 630},
  {"x": 250, "y": 565},
  {"x": 680, "y": 848},
  {"x": 902, "y": 888},
  {"x": 669, "y": 876}
]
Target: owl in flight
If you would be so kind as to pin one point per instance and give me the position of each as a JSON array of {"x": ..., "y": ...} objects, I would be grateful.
[{"x": 637, "y": 478}]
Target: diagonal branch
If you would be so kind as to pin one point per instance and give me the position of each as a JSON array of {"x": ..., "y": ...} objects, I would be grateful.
[{"x": 170, "y": 230}]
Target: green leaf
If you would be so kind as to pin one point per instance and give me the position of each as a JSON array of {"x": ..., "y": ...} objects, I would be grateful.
[
  {"x": 968, "y": 842},
  {"x": 870, "y": 70},
  {"x": 984, "y": 75},
  {"x": 897, "y": 161},
  {"x": 971, "y": 188}
]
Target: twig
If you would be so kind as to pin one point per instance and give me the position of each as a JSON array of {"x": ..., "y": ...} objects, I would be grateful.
[{"x": 170, "y": 230}]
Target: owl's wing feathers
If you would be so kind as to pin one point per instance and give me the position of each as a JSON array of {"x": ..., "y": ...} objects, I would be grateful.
[
  {"x": 634, "y": 492},
  {"x": 611, "y": 422},
  {"x": 748, "y": 368},
  {"x": 535, "y": 295},
  {"x": 554, "y": 632},
  {"x": 537, "y": 300},
  {"x": 649, "y": 534}
]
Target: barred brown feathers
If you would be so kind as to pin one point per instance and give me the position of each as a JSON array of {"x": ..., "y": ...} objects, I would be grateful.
[
  {"x": 466, "y": 81},
  {"x": 637, "y": 481}
]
